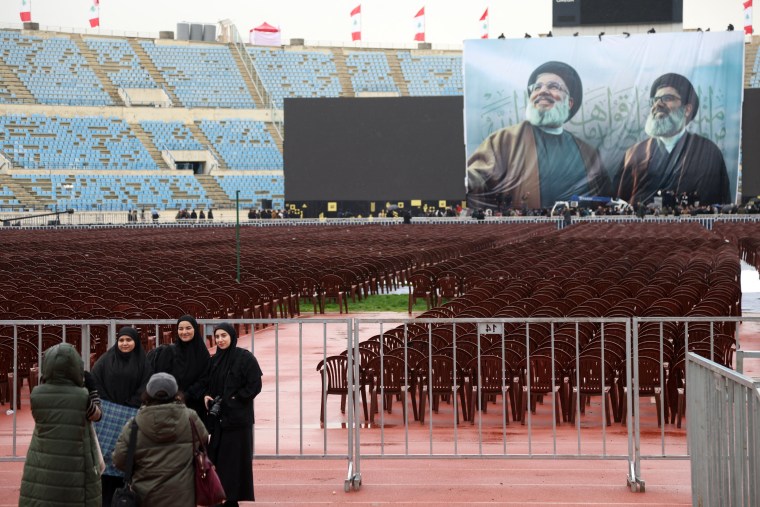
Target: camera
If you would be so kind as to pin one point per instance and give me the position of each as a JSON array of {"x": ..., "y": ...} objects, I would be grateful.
[{"x": 216, "y": 407}]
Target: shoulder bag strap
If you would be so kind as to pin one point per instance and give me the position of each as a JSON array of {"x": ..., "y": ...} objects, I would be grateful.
[
  {"x": 197, "y": 441},
  {"x": 131, "y": 453}
]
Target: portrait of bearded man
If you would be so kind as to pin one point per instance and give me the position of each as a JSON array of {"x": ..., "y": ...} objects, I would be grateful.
[
  {"x": 537, "y": 162},
  {"x": 673, "y": 160}
]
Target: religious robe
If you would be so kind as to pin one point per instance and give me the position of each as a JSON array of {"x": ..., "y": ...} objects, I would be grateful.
[
  {"x": 505, "y": 168},
  {"x": 695, "y": 165}
]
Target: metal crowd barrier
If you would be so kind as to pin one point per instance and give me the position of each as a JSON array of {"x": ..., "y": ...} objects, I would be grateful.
[
  {"x": 724, "y": 437},
  {"x": 288, "y": 425}
]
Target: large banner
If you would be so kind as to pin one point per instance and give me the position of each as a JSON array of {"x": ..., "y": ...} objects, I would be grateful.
[{"x": 636, "y": 118}]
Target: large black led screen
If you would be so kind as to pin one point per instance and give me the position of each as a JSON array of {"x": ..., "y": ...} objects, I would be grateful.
[
  {"x": 374, "y": 149},
  {"x": 750, "y": 146},
  {"x": 608, "y": 12},
  {"x": 616, "y": 12}
]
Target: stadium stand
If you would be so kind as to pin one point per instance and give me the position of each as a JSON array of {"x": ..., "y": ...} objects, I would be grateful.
[
  {"x": 6, "y": 95},
  {"x": 432, "y": 74},
  {"x": 296, "y": 73},
  {"x": 53, "y": 69},
  {"x": 8, "y": 201},
  {"x": 49, "y": 142},
  {"x": 201, "y": 75},
  {"x": 58, "y": 69},
  {"x": 255, "y": 187},
  {"x": 118, "y": 192},
  {"x": 370, "y": 72},
  {"x": 171, "y": 135},
  {"x": 121, "y": 64},
  {"x": 243, "y": 144}
]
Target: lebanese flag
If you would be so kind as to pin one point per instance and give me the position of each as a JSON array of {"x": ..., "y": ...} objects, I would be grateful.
[
  {"x": 748, "y": 17},
  {"x": 95, "y": 14},
  {"x": 419, "y": 26},
  {"x": 356, "y": 23},
  {"x": 26, "y": 11},
  {"x": 484, "y": 25}
]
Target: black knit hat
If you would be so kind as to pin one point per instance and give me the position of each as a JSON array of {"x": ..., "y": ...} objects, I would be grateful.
[
  {"x": 569, "y": 76},
  {"x": 685, "y": 90}
]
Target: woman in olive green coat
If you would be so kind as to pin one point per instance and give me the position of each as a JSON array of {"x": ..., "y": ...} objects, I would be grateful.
[
  {"x": 163, "y": 471},
  {"x": 62, "y": 464}
]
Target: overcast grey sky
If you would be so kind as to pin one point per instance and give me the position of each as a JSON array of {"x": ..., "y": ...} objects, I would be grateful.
[{"x": 383, "y": 21}]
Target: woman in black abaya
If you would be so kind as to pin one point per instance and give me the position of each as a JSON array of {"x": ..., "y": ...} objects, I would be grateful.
[
  {"x": 120, "y": 376},
  {"x": 234, "y": 379},
  {"x": 187, "y": 361}
]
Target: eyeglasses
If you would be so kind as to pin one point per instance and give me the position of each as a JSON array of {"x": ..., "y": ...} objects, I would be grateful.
[
  {"x": 667, "y": 98},
  {"x": 552, "y": 86}
]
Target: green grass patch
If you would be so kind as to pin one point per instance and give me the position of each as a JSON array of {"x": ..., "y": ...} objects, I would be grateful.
[{"x": 380, "y": 303}]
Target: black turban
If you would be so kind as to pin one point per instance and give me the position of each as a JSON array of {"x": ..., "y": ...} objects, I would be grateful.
[
  {"x": 569, "y": 76},
  {"x": 685, "y": 90}
]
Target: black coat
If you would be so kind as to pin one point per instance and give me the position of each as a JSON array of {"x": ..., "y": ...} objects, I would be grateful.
[
  {"x": 235, "y": 375},
  {"x": 237, "y": 385}
]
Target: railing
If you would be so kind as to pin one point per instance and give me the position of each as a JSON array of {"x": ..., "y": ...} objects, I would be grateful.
[
  {"x": 217, "y": 164},
  {"x": 554, "y": 431},
  {"x": 5, "y": 161},
  {"x": 239, "y": 44},
  {"x": 724, "y": 437},
  {"x": 83, "y": 31},
  {"x": 112, "y": 215}
]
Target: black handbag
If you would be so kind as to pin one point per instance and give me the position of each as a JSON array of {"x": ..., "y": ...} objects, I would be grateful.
[{"x": 126, "y": 496}]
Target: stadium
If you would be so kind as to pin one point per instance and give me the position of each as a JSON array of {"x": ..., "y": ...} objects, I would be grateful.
[{"x": 553, "y": 322}]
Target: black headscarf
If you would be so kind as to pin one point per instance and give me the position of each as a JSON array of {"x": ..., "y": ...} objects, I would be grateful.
[
  {"x": 190, "y": 358},
  {"x": 121, "y": 376},
  {"x": 222, "y": 360}
]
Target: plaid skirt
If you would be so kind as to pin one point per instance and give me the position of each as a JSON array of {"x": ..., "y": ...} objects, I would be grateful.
[{"x": 109, "y": 428}]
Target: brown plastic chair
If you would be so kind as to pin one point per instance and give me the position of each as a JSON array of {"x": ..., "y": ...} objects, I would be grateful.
[
  {"x": 437, "y": 381},
  {"x": 333, "y": 287},
  {"x": 541, "y": 373},
  {"x": 334, "y": 372},
  {"x": 389, "y": 377},
  {"x": 592, "y": 383},
  {"x": 649, "y": 385},
  {"x": 489, "y": 377},
  {"x": 421, "y": 286}
]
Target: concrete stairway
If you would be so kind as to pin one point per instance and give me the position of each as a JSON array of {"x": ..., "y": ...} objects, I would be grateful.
[
  {"x": 214, "y": 191},
  {"x": 17, "y": 90},
  {"x": 750, "y": 53},
  {"x": 344, "y": 77},
  {"x": 22, "y": 189},
  {"x": 148, "y": 65},
  {"x": 246, "y": 78},
  {"x": 99, "y": 69},
  {"x": 199, "y": 136},
  {"x": 398, "y": 76},
  {"x": 147, "y": 141}
]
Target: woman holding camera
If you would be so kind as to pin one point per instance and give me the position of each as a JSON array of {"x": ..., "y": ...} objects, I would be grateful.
[{"x": 234, "y": 379}]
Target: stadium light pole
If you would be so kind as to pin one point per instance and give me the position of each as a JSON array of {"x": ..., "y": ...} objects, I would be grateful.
[{"x": 237, "y": 231}]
